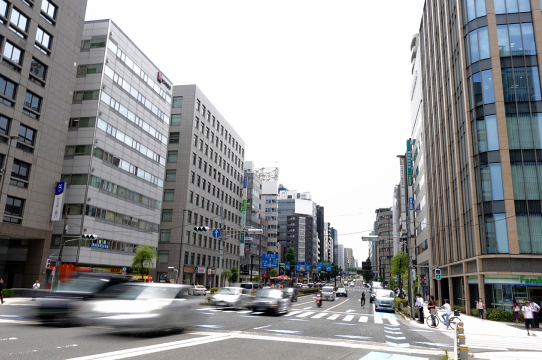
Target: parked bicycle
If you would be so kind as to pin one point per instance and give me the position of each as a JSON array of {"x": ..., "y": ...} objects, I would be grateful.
[{"x": 434, "y": 320}]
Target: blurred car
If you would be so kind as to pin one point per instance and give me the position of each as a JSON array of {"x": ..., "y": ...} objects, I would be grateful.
[
  {"x": 198, "y": 290},
  {"x": 341, "y": 292},
  {"x": 304, "y": 286},
  {"x": 140, "y": 307},
  {"x": 384, "y": 300},
  {"x": 373, "y": 291},
  {"x": 274, "y": 301},
  {"x": 328, "y": 293},
  {"x": 252, "y": 287},
  {"x": 292, "y": 293},
  {"x": 351, "y": 284},
  {"x": 230, "y": 296}
]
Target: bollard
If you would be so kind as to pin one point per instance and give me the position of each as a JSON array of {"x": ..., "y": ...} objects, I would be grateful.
[
  {"x": 461, "y": 339},
  {"x": 463, "y": 352},
  {"x": 456, "y": 346},
  {"x": 460, "y": 328}
]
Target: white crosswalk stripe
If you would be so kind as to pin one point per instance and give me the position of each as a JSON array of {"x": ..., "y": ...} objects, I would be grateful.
[
  {"x": 293, "y": 313},
  {"x": 348, "y": 318},
  {"x": 393, "y": 321},
  {"x": 363, "y": 319},
  {"x": 305, "y": 314},
  {"x": 378, "y": 320},
  {"x": 318, "y": 316},
  {"x": 244, "y": 311},
  {"x": 333, "y": 317}
]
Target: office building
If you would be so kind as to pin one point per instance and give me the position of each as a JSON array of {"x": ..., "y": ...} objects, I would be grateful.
[
  {"x": 384, "y": 247},
  {"x": 40, "y": 45},
  {"x": 482, "y": 111},
  {"x": 269, "y": 199},
  {"x": 115, "y": 155},
  {"x": 349, "y": 258},
  {"x": 320, "y": 228},
  {"x": 203, "y": 184},
  {"x": 335, "y": 242},
  {"x": 340, "y": 257}
]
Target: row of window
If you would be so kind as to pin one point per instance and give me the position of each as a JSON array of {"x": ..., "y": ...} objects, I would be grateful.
[
  {"x": 210, "y": 206},
  {"x": 217, "y": 159},
  {"x": 111, "y": 216},
  {"x": 13, "y": 212},
  {"x": 8, "y": 91},
  {"x": 126, "y": 86},
  {"x": 232, "y": 263},
  {"x": 12, "y": 57},
  {"x": 105, "y": 244},
  {"x": 213, "y": 172},
  {"x": 119, "y": 135},
  {"x": 81, "y": 179},
  {"x": 516, "y": 39},
  {"x": 137, "y": 70},
  {"x": 26, "y": 138},
  {"x": 473, "y": 9},
  {"x": 223, "y": 148},
  {"x": 524, "y": 131},
  {"x": 204, "y": 184},
  {"x": 106, "y": 98}
]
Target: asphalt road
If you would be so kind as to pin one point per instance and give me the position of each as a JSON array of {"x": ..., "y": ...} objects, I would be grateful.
[{"x": 340, "y": 329}]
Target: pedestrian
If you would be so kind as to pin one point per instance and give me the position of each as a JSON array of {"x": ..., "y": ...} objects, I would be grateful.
[
  {"x": 432, "y": 308},
  {"x": 515, "y": 311},
  {"x": 447, "y": 313},
  {"x": 2, "y": 290},
  {"x": 419, "y": 305},
  {"x": 536, "y": 310},
  {"x": 528, "y": 316},
  {"x": 36, "y": 286},
  {"x": 480, "y": 306}
]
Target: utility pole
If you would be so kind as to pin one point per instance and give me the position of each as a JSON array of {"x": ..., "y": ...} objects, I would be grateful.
[{"x": 221, "y": 244}]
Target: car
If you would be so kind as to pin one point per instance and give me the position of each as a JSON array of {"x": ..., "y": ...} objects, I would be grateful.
[
  {"x": 304, "y": 286},
  {"x": 384, "y": 300},
  {"x": 351, "y": 284},
  {"x": 252, "y": 287},
  {"x": 139, "y": 307},
  {"x": 341, "y": 292},
  {"x": 311, "y": 285},
  {"x": 328, "y": 293},
  {"x": 292, "y": 293},
  {"x": 274, "y": 301},
  {"x": 198, "y": 290},
  {"x": 235, "y": 297},
  {"x": 373, "y": 291}
]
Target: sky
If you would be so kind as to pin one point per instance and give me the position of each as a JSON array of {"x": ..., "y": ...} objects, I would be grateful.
[{"x": 319, "y": 89}]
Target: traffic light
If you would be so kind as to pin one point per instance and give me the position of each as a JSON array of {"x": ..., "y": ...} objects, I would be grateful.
[
  {"x": 90, "y": 236},
  {"x": 48, "y": 263},
  {"x": 437, "y": 274},
  {"x": 201, "y": 228}
]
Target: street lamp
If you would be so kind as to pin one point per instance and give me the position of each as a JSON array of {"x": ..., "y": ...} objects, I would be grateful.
[{"x": 173, "y": 269}]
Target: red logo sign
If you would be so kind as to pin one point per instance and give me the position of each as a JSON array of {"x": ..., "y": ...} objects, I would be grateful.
[{"x": 159, "y": 77}]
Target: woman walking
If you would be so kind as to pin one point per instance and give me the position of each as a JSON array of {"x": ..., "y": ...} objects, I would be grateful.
[{"x": 515, "y": 311}]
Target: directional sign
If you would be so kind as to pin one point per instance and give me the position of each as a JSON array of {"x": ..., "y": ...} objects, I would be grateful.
[
  {"x": 249, "y": 238},
  {"x": 216, "y": 233},
  {"x": 245, "y": 182},
  {"x": 297, "y": 267},
  {"x": 123, "y": 269},
  {"x": 287, "y": 265},
  {"x": 410, "y": 203},
  {"x": 270, "y": 260},
  {"x": 307, "y": 267},
  {"x": 328, "y": 268},
  {"x": 319, "y": 266}
]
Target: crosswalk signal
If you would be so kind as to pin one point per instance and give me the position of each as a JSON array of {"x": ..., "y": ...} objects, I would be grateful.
[
  {"x": 437, "y": 274},
  {"x": 48, "y": 263},
  {"x": 201, "y": 228},
  {"x": 90, "y": 236}
]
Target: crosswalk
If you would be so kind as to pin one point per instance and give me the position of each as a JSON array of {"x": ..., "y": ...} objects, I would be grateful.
[{"x": 497, "y": 344}]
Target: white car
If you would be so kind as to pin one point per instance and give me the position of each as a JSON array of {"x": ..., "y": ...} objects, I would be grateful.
[
  {"x": 198, "y": 290},
  {"x": 230, "y": 296},
  {"x": 328, "y": 293},
  {"x": 384, "y": 300}
]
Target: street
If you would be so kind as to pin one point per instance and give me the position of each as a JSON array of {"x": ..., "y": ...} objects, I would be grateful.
[{"x": 339, "y": 329}]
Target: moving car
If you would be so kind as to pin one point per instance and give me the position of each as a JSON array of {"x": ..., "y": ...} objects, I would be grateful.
[
  {"x": 250, "y": 286},
  {"x": 328, "y": 293},
  {"x": 341, "y": 292},
  {"x": 140, "y": 307},
  {"x": 384, "y": 300},
  {"x": 230, "y": 296},
  {"x": 274, "y": 301},
  {"x": 352, "y": 284},
  {"x": 292, "y": 293},
  {"x": 198, "y": 290}
]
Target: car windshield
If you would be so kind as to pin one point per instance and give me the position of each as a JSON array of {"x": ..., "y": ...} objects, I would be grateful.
[
  {"x": 246, "y": 286},
  {"x": 269, "y": 293},
  {"x": 327, "y": 289},
  {"x": 341, "y": 289},
  {"x": 125, "y": 292},
  {"x": 226, "y": 291},
  {"x": 385, "y": 293}
]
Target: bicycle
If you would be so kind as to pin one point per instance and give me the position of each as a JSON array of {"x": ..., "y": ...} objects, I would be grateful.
[{"x": 434, "y": 320}]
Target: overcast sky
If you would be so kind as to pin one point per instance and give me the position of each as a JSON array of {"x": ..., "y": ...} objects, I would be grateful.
[{"x": 318, "y": 88}]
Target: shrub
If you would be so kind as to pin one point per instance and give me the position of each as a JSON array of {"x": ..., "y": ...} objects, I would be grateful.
[
  {"x": 460, "y": 308},
  {"x": 213, "y": 290},
  {"x": 499, "y": 315},
  {"x": 7, "y": 293},
  {"x": 474, "y": 312},
  {"x": 399, "y": 301},
  {"x": 307, "y": 291},
  {"x": 208, "y": 299}
]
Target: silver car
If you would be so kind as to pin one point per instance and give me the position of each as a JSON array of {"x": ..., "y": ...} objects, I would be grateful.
[
  {"x": 274, "y": 301},
  {"x": 384, "y": 300},
  {"x": 328, "y": 293},
  {"x": 140, "y": 307},
  {"x": 235, "y": 297}
]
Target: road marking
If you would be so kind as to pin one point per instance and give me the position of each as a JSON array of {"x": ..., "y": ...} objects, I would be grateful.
[
  {"x": 344, "y": 324},
  {"x": 8, "y": 339},
  {"x": 308, "y": 302},
  {"x": 293, "y": 313},
  {"x": 355, "y": 337},
  {"x": 244, "y": 311},
  {"x": 297, "y": 319},
  {"x": 319, "y": 315},
  {"x": 210, "y": 326},
  {"x": 363, "y": 319},
  {"x": 305, "y": 314},
  {"x": 349, "y": 310},
  {"x": 373, "y": 355},
  {"x": 428, "y": 331},
  {"x": 401, "y": 345},
  {"x": 307, "y": 308},
  {"x": 396, "y": 337},
  {"x": 333, "y": 317},
  {"x": 348, "y": 317},
  {"x": 393, "y": 321},
  {"x": 215, "y": 310},
  {"x": 287, "y": 331},
  {"x": 378, "y": 320},
  {"x": 393, "y": 332},
  {"x": 336, "y": 305},
  {"x": 262, "y": 327},
  {"x": 433, "y": 344}
]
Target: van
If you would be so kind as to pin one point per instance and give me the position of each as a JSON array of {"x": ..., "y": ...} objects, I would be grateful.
[
  {"x": 376, "y": 286},
  {"x": 252, "y": 287}
]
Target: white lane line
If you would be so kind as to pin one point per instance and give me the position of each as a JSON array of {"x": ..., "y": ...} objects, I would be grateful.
[
  {"x": 244, "y": 311},
  {"x": 262, "y": 327},
  {"x": 378, "y": 320},
  {"x": 393, "y": 321},
  {"x": 293, "y": 313},
  {"x": 396, "y": 337},
  {"x": 401, "y": 345},
  {"x": 393, "y": 332},
  {"x": 363, "y": 319},
  {"x": 333, "y": 317},
  {"x": 215, "y": 310},
  {"x": 319, "y": 315},
  {"x": 305, "y": 314},
  {"x": 348, "y": 318}
]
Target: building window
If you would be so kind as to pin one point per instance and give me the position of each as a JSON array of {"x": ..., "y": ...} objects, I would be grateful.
[
  {"x": 48, "y": 11},
  {"x": 38, "y": 71},
  {"x": 13, "y": 56},
  {"x": 481, "y": 88},
  {"x": 3, "y": 9},
  {"x": 186, "y": 257},
  {"x": 26, "y": 139},
  {"x": 18, "y": 23},
  {"x": 191, "y": 197},
  {"x": 13, "y": 210},
  {"x": 487, "y": 134},
  {"x": 32, "y": 102},
  {"x": 169, "y": 195},
  {"x": 516, "y": 39},
  {"x": 83, "y": 122},
  {"x": 7, "y": 89},
  {"x": 174, "y": 138},
  {"x": 89, "y": 69},
  {"x": 175, "y": 120},
  {"x": 473, "y": 9},
  {"x": 4, "y": 129},
  {"x": 192, "y": 258},
  {"x": 163, "y": 256},
  {"x": 167, "y": 215},
  {"x": 171, "y": 175},
  {"x": 172, "y": 156},
  {"x": 512, "y": 6},
  {"x": 86, "y": 95},
  {"x": 93, "y": 43},
  {"x": 165, "y": 235},
  {"x": 496, "y": 233},
  {"x": 478, "y": 44},
  {"x": 19, "y": 173},
  {"x": 177, "y": 102},
  {"x": 521, "y": 84},
  {"x": 43, "y": 41}
]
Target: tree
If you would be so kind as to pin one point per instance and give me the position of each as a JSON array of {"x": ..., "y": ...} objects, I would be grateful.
[
  {"x": 234, "y": 275},
  {"x": 399, "y": 266},
  {"x": 367, "y": 273},
  {"x": 143, "y": 260},
  {"x": 256, "y": 278},
  {"x": 273, "y": 273},
  {"x": 290, "y": 256}
]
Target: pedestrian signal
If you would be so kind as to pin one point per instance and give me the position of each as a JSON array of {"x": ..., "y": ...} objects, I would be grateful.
[{"x": 437, "y": 274}]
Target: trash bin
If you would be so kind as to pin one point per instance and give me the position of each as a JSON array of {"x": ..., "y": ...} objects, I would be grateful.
[{"x": 457, "y": 312}]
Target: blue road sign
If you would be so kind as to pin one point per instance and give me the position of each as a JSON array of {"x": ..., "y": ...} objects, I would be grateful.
[
  {"x": 307, "y": 267},
  {"x": 216, "y": 233},
  {"x": 318, "y": 268},
  {"x": 287, "y": 265},
  {"x": 270, "y": 260},
  {"x": 328, "y": 268},
  {"x": 410, "y": 203},
  {"x": 123, "y": 269},
  {"x": 245, "y": 182},
  {"x": 297, "y": 267}
]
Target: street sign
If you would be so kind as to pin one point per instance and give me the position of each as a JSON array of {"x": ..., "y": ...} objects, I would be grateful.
[
  {"x": 216, "y": 233},
  {"x": 245, "y": 182},
  {"x": 210, "y": 278},
  {"x": 249, "y": 238},
  {"x": 409, "y": 162},
  {"x": 307, "y": 267},
  {"x": 287, "y": 265},
  {"x": 410, "y": 203},
  {"x": 270, "y": 260},
  {"x": 123, "y": 269},
  {"x": 123, "y": 273},
  {"x": 328, "y": 268}
]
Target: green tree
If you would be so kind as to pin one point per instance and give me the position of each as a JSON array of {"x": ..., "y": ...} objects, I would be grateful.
[
  {"x": 366, "y": 273},
  {"x": 234, "y": 275},
  {"x": 273, "y": 273},
  {"x": 256, "y": 278},
  {"x": 290, "y": 256},
  {"x": 143, "y": 259},
  {"x": 226, "y": 273},
  {"x": 399, "y": 266}
]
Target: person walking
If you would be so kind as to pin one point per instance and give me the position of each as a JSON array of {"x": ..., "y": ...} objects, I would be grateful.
[
  {"x": 432, "y": 307},
  {"x": 2, "y": 290},
  {"x": 536, "y": 310},
  {"x": 527, "y": 311},
  {"x": 515, "y": 311},
  {"x": 480, "y": 306},
  {"x": 36, "y": 287},
  {"x": 363, "y": 298},
  {"x": 419, "y": 305},
  {"x": 447, "y": 313}
]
